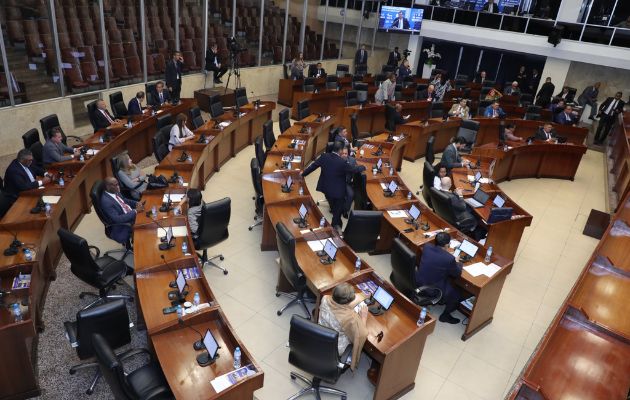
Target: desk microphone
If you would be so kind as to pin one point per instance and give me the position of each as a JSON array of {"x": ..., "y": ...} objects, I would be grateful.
[
  {"x": 301, "y": 222},
  {"x": 379, "y": 151},
  {"x": 175, "y": 174},
  {"x": 39, "y": 207},
  {"x": 15, "y": 244},
  {"x": 171, "y": 284},
  {"x": 198, "y": 345},
  {"x": 183, "y": 157},
  {"x": 165, "y": 245},
  {"x": 166, "y": 206},
  {"x": 320, "y": 253}
]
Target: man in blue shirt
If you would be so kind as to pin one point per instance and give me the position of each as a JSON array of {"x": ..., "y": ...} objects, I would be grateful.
[{"x": 494, "y": 110}]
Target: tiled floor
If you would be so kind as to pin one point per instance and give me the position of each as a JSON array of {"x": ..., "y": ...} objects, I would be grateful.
[{"x": 551, "y": 255}]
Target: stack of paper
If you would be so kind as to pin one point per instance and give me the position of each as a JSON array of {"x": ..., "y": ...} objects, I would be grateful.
[
  {"x": 51, "y": 199},
  {"x": 316, "y": 245},
  {"x": 225, "y": 381},
  {"x": 175, "y": 197},
  {"x": 480, "y": 268},
  {"x": 397, "y": 213}
]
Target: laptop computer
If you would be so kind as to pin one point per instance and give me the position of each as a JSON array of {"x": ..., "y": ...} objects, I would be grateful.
[
  {"x": 478, "y": 200},
  {"x": 500, "y": 214}
]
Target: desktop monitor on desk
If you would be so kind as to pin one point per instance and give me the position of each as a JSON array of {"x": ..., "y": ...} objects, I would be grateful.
[
  {"x": 383, "y": 299},
  {"x": 212, "y": 349},
  {"x": 500, "y": 214}
]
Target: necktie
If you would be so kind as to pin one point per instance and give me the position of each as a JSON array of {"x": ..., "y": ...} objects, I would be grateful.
[
  {"x": 548, "y": 135},
  {"x": 122, "y": 204},
  {"x": 611, "y": 107},
  {"x": 494, "y": 113},
  {"x": 28, "y": 172},
  {"x": 107, "y": 116},
  {"x": 161, "y": 98}
]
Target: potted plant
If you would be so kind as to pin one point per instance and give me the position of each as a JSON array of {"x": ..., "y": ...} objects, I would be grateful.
[{"x": 430, "y": 62}]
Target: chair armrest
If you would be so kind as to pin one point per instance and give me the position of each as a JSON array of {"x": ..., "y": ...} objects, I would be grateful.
[
  {"x": 71, "y": 333},
  {"x": 98, "y": 251},
  {"x": 134, "y": 352},
  {"x": 161, "y": 392}
]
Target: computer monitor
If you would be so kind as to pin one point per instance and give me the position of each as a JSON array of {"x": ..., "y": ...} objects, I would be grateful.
[
  {"x": 392, "y": 186},
  {"x": 467, "y": 248},
  {"x": 181, "y": 282},
  {"x": 289, "y": 182},
  {"x": 383, "y": 298},
  {"x": 303, "y": 211},
  {"x": 500, "y": 214},
  {"x": 481, "y": 196},
  {"x": 379, "y": 164},
  {"x": 498, "y": 201},
  {"x": 330, "y": 249},
  {"x": 211, "y": 344},
  {"x": 478, "y": 176},
  {"x": 414, "y": 212}
]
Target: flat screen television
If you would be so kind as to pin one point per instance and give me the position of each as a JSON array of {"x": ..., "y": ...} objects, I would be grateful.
[
  {"x": 504, "y": 5},
  {"x": 400, "y": 19}
]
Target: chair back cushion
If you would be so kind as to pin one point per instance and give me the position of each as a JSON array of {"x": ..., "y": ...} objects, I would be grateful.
[
  {"x": 30, "y": 137},
  {"x": 164, "y": 120},
  {"x": 442, "y": 205},
  {"x": 403, "y": 268},
  {"x": 284, "y": 120},
  {"x": 288, "y": 263},
  {"x": 213, "y": 223},
  {"x": 261, "y": 156},
  {"x": 362, "y": 230},
  {"x": 268, "y": 136},
  {"x": 111, "y": 368},
  {"x": 428, "y": 173},
  {"x": 109, "y": 319},
  {"x": 429, "y": 154},
  {"x": 82, "y": 264}
]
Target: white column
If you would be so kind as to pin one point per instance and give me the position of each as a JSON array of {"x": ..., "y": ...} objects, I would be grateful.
[
  {"x": 415, "y": 45},
  {"x": 569, "y": 10},
  {"x": 557, "y": 69}
]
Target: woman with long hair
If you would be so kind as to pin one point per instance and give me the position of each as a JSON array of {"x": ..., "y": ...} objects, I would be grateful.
[
  {"x": 179, "y": 132},
  {"x": 131, "y": 177}
]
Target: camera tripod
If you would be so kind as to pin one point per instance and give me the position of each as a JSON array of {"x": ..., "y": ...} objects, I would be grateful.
[{"x": 235, "y": 70}]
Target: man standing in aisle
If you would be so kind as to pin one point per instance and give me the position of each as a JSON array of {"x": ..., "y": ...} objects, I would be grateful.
[
  {"x": 361, "y": 57},
  {"x": 394, "y": 57},
  {"x": 173, "y": 76},
  {"x": 608, "y": 112},
  {"x": 332, "y": 180},
  {"x": 589, "y": 96}
]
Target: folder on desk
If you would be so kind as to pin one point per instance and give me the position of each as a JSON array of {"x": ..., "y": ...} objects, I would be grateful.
[{"x": 178, "y": 231}]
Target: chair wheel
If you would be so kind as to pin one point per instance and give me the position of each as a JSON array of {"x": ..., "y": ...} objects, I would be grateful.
[
  {"x": 292, "y": 376},
  {"x": 221, "y": 258},
  {"x": 250, "y": 228},
  {"x": 89, "y": 391},
  {"x": 72, "y": 371},
  {"x": 225, "y": 272},
  {"x": 277, "y": 294},
  {"x": 81, "y": 295},
  {"x": 344, "y": 398},
  {"x": 279, "y": 313}
]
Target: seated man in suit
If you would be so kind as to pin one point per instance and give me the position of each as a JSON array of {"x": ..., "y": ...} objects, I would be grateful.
[
  {"x": 451, "y": 157},
  {"x": 54, "y": 150},
  {"x": 22, "y": 175},
  {"x": 398, "y": 117},
  {"x": 102, "y": 117},
  {"x": 213, "y": 63},
  {"x": 437, "y": 268},
  {"x": 118, "y": 210},
  {"x": 135, "y": 105},
  {"x": 400, "y": 22},
  {"x": 427, "y": 94},
  {"x": 566, "y": 117},
  {"x": 513, "y": 89},
  {"x": 460, "y": 110},
  {"x": 318, "y": 71},
  {"x": 466, "y": 221},
  {"x": 160, "y": 96},
  {"x": 481, "y": 77},
  {"x": 332, "y": 180},
  {"x": 565, "y": 95},
  {"x": 557, "y": 107},
  {"x": 546, "y": 132},
  {"x": 343, "y": 137},
  {"x": 494, "y": 110}
]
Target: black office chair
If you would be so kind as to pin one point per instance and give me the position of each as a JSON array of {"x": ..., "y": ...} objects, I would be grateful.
[
  {"x": 361, "y": 199},
  {"x": 309, "y": 84},
  {"x": 6, "y": 201},
  {"x": 164, "y": 120},
  {"x": 303, "y": 110},
  {"x": 259, "y": 151},
  {"x": 388, "y": 68},
  {"x": 110, "y": 320},
  {"x": 390, "y": 112},
  {"x": 284, "y": 119},
  {"x": 342, "y": 70},
  {"x": 360, "y": 69},
  {"x": 403, "y": 276},
  {"x": 117, "y": 103},
  {"x": 144, "y": 383},
  {"x": 398, "y": 91},
  {"x": 444, "y": 208},
  {"x": 160, "y": 142},
  {"x": 437, "y": 109},
  {"x": 408, "y": 81},
  {"x": 52, "y": 121},
  {"x": 91, "y": 109},
  {"x": 240, "y": 97},
  {"x": 483, "y": 104},
  {"x": 354, "y": 129},
  {"x": 378, "y": 79},
  {"x": 216, "y": 106},
  {"x": 259, "y": 200},
  {"x": 149, "y": 88},
  {"x": 351, "y": 98},
  {"x": 419, "y": 89},
  {"x": 332, "y": 82},
  {"x": 356, "y": 79},
  {"x": 362, "y": 230},
  {"x": 30, "y": 137},
  {"x": 468, "y": 130},
  {"x": 195, "y": 118},
  {"x": 213, "y": 229},
  {"x": 37, "y": 149},
  {"x": 100, "y": 272},
  {"x": 95, "y": 195},
  {"x": 291, "y": 270},
  {"x": 268, "y": 138},
  {"x": 428, "y": 173},
  {"x": 532, "y": 117},
  {"x": 313, "y": 348},
  {"x": 362, "y": 92},
  {"x": 429, "y": 153},
  {"x": 488, "y": 83},
  {"x": 526, "y": 100}
]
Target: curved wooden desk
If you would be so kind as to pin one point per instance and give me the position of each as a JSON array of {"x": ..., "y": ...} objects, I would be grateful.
[
  {"x": 18, "y": 379},
  {"x": 489, "y": 130}
]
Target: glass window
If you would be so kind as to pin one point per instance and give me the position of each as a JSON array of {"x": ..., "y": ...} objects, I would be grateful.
[
  {"x": 621, "y": 38},
  {"x": 601, "y": 12},
  {"x": 621, "y": 15}
]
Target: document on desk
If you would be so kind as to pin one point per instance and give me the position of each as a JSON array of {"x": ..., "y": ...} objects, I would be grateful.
[
  {"x": 175, "y": 197},
  {"x": 51, "y": 199},
  {"x": 316, "y": 245},
  {"x": 231, "y": 378},
  {"x": 178, "y": 231},
  {"x": 91, "y": 152},
  {"x": 225, "y": 124},
  {"x": 383, "y": 185},
  {"x": 482, "y": 180},
  {"x": 480, "y": 268},
  {"x": 397, "y": 213}
]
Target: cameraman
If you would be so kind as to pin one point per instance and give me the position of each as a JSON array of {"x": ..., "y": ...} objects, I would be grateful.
[
  {"x": 213, "y": 64},
  {"x": 173, "y": 76}
]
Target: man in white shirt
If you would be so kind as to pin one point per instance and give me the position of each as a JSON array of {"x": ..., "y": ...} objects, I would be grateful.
[{"x": 608, "y": 114}]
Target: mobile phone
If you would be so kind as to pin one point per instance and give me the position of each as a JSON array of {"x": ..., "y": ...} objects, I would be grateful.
[{"x": 169, "y": 310}]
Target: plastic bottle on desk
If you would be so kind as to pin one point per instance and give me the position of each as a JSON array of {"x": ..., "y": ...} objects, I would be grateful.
[
  {"x": 409, "y": 195},
  {"x": 17, "y": 312},
  {"x": 180, "y": 311},
  {"x": 301, "y": 191},
  {"x": 391, "y": 170},
  {"x": 154, "y": 212},
  {"x": 185, "y": 247},
  {"x": 488, "y": 255},
  {"x": 48, "y": 209},
  {"x": 28, "y": 255},
  {"x": 61, "y": 181},
  {"x": 357, "y": 265},
  {"x": 237, "y": 358},
  {"x": 196, "y": 299},
  {"x": 322, "y": 222},
  {"x": 422, "y": 317}
]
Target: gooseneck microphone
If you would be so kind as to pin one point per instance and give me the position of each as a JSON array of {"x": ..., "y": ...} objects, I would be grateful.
[
  {"x": 166, "y": 206},
  {"x": 14, "y": 245},
  {"x": 320, "y": 253},
  {"x": 198, "y": 345},
  {"x": 173, "y": 283}
]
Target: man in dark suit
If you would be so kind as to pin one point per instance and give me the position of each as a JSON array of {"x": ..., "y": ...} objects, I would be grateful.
[
  {"x": 608, "y": 112},
  {"x": 545, "y": 133},
  {"x": 332, "y": 180},
  {"x": 361, "y": 56},
  {"x": 589, "y": 96},
  {"x": 159, "y": 96},
  {"x": 400, "y": 22},
  {"x": 490, "y": 7},
  {"x": 394, "y": 58},
  {"x": 464, "y": 218},
  {"x": 318, "y": 71},
  {"x": 427, "y": 94},
  {"x": 437, "y": 268},
  {"x": 565, "y": 117},
  {"x": 342, "y": 136},
  {"x": 118, "y": 211},
  {"x": 135, "y": 105},
  {"x": 398, "y": 117},
  {"x": 173, "y": 75},
  {"x": 213, "y": 63},
  {"x": 451, "y": 157},
  {"x": 481, "y": 77},
  {"x": 494, "y": 110},
  {"x": 102, "y": 117},
  {"x": 54, "y": 150},
  {"x": 345, "y": 154},
  {"x": 22, "y": 175},
  {"x": 543, "y": 98},
  {"x": 565, "y": 95}
]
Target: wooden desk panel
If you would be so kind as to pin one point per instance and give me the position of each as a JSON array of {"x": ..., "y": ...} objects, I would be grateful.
[
  {"x": 419, "y": 133},
  {"x": 489, "y": 130},
  {"x": 323, "y": 102}
]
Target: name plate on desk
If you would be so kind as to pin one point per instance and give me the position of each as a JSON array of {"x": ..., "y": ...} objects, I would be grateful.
[{"x": 178, "y": 231}]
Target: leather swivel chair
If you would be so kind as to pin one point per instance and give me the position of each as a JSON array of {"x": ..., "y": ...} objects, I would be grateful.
[
  {"x": 444, "y": 208},
  {"x": 37, "y": 149},
  {"x": 361, "y": 199},
  {"x": 240, "y": 97},
  {"x": 379, "y": 78},
  {"x": 362, "y": 92},
  {"x": 6, "y": 201},
  {"x": 95, "y": 195},
  {"x": 284, "y": 119},
  {"x": 213, "y": 229},
  {"x": 362, "y": 230},
  {"x": 532, "y": 117},
  {"x": 303, "y": 110},
  {"x": 268, "y": 138},
  {"x": 308, "y": 85},
  {"x": 526, "y": 99},
  {"x": 354, "y": 129},
  {"x": 91, "y": 109},
  {"x": 437, "y": 109},
  {"x": 195, "y": 118},
  {"x": 342, "y": 70},
  {"x": 468, "y": 130},
  {"x": 390, "y": 111},
  {"x": 351, "y": 98},
  {"x": 160, "y": 142},
  {"x": 164, "y": 120},
  {"x": 259, "y": 200},
  {"x": 398, "y": 91},
  {"x": 259, "y": 151},
  {"x": 332, "y": 82},
  {"x": 118, "y": 105},
  {"x": 403, "y": 276},
  {"x": 216, "y": 106},
  {"x": 428, "y": 173},
  {"x": 100, "y": 272},
  {"x": 313, "y": 349},
  {"x": 52, "y": 121},
  {"x": 146, "y": 382},
  {"x": 110, "y": 320},
  {"x": 149, "y": 89},
  {"x": 533, "y": 109},
  {"x": 291, "y": 270},
  {"x": 429, "y": 153},
  {"x": 30, "y": 137}
]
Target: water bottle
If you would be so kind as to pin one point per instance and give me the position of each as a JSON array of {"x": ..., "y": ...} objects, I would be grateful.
[
  {"x": 185, "y": 247},
  {"x": 322, "y": 222},
  {"x": 391, "y": 170},
  {"x": 180, "y": 180},
  {"x": 357, "y": 265},
  {"x": 301, "y": 191},
  {"x": 61, "y": 181},
  {"x": 48, "y": 209},
  {"x": 409, "y": 195},
  {"x": 17, "y": 312},
  {"x": 176, "y": 211},
  {"x": 28, "y": 255},
  {"x": 100, "y": 139},
  {"x": 422, "y": 317},
  {"x": 488, "y": 255},
  {"x": 180, "y": 311},
  {"x": 154, "y": 212},
  {"x": 81, "y": 157},
  {"x": 189, "y": 158},
  {"x": 237, "y": 358},
  {"x": 196, "y": 299}
]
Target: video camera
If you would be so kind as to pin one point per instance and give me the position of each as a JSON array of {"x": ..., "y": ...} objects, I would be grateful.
[
  {"x": 234, "y": 46},
  {"x": 406, "y": 53}
]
